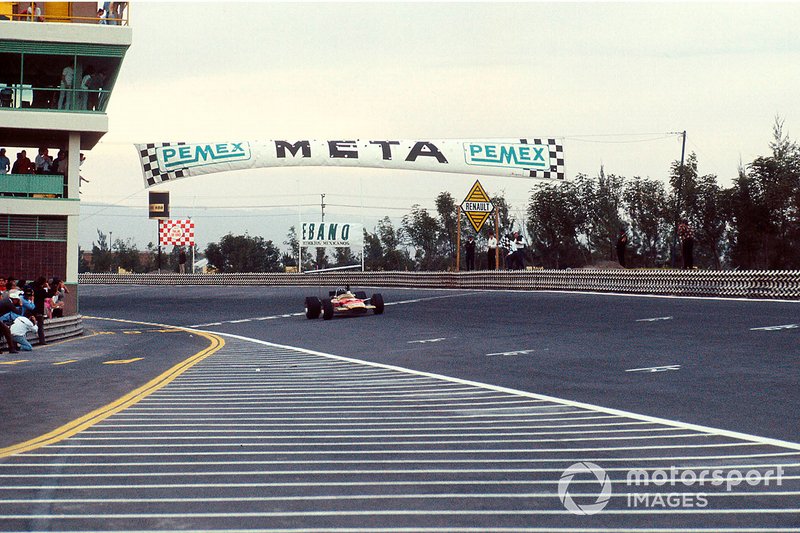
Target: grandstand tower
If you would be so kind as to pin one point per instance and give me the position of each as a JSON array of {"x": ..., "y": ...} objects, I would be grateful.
[{"x": 39, "y": 44}]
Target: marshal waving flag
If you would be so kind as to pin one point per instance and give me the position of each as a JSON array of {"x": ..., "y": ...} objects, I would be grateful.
[
  {"x": 176, "y": 232},
  {"x": 529, "y": 158}
]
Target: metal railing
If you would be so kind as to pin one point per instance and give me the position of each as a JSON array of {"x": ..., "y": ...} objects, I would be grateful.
[
  {"x": 44, "y": 17},
  {"x": 33, "y": 185},
  {"x": 772, "y": 284},
  {"x": 53, "y": 98}
]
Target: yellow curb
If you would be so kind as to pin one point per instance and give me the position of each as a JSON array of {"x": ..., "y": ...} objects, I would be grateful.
[{"x": 133, "y": 397}]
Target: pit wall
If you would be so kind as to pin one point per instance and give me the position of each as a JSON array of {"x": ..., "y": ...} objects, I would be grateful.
[{"x": 771, "y": 284}]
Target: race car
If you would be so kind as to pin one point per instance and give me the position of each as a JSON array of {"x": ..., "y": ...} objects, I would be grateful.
[{"x": 343, "y": 302}]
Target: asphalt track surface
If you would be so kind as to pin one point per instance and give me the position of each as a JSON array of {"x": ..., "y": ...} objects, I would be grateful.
[{"x": 453, "y": 411}]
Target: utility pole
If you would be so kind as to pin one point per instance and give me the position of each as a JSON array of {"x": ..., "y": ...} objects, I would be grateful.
[
  {"x": 322, "y": 205},
  {"x": 678, "y": 194}
]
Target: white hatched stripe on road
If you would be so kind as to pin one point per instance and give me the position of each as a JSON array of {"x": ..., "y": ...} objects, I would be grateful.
[{"x": 313, "y": 420}]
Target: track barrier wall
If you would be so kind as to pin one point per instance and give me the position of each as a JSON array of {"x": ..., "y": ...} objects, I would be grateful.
[
  {"x": 55, "y": 329},
  {"x": 771, "y": 284}
]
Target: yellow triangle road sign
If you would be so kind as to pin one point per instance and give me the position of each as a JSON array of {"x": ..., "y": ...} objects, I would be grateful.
[{"x": 477, "y": 206}]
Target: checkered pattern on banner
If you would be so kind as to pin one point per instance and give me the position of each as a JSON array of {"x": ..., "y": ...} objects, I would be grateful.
[
  {"x": 558, "y": 170},
  {"x": 153, "y": 174},
  {"x": 176, "y": 232}
]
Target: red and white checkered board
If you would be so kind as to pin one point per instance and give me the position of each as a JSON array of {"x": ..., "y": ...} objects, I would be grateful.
[{"x": 176, "y": 233}]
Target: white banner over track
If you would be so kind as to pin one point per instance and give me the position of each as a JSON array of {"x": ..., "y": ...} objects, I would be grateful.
[{"x": 531, "y": 158}]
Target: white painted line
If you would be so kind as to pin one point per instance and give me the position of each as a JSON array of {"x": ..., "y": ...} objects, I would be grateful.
[
  {"x": 776, "y": 328},
  {"x": 241, "y": 445},
  {"x": 290, "y": 315},
  {"x": 260, "y": 433},
  {"x": 655, "y": 368},
  {"x": 515, "y": 352},
  {"x": 174, "y": 440},
  {"x": 327, "y": 422},
  {"x": 421, "y": 496},
  {"x": 656, "y": 319},
  {"x": 346, "y": 472},
  {"x": 626, "y": 469},
  {"x": 426, "y": 341},
  {"x": 567, "y": 460},
  {"x": 276, "y": 484},
  {"x": 393, "y": 512}
]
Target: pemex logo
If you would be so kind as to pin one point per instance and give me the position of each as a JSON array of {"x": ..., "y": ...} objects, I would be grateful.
[{"x": 583, "y": 469}]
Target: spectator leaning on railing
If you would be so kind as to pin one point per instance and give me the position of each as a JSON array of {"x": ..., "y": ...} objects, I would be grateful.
[
  {"x": 5, "y": 164},
  {"x": 44, "y": 162},
  {"x": 22, "y": 165}
]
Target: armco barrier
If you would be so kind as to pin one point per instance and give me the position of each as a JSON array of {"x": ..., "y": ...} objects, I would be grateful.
[
  {"x": 55, "y": 329},
  {"x": 776, "y": 284}
]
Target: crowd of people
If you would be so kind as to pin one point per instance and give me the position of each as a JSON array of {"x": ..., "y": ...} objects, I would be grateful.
[
  {"x": 43, "y": 163},
  {"x": 24, "y": 306}
]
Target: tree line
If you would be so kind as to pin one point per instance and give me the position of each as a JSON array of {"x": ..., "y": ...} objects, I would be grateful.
[{"x": 753, "y": 224}]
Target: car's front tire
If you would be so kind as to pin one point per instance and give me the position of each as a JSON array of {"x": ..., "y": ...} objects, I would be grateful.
[
  {"x": 377, "y": 301},
  {"x": 313, "y": 307},
  {"x": 327, "y": 310}
]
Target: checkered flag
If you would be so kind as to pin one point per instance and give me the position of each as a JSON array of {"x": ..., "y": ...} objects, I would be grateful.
[
  {"x": 176, "y": 232},
  {"x": 505, "y": 242},
  {"x": 153, "y": 173},
  {"x": 557, "y": 167}
]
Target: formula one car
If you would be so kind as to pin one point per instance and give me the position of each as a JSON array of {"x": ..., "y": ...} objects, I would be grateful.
[{"x": 343, "y": 302}]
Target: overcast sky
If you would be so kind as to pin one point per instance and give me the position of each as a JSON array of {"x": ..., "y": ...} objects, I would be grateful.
[{"x": 615, "y": 81}]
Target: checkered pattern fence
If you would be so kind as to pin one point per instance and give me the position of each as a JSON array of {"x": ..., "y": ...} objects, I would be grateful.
[{"x": 774, "y": 284}]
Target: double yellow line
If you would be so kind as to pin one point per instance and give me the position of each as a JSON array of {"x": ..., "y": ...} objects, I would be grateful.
[{"x": 98, "y": 415}]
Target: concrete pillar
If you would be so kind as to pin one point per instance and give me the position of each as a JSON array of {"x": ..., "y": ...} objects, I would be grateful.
[{"x": 73, "y": 183}]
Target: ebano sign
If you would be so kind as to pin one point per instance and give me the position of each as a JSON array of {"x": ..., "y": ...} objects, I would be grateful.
[
  {"x": 331, "y": 234},
  {"x": 534, "y": 158}
]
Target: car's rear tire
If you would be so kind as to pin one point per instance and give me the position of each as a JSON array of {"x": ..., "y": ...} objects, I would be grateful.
[
  {"x": 377, "y": 301},
  {"x": 361, "y": 295},
  {"x": 327, "y": 310},
  {"x": 313, "y": 307}
]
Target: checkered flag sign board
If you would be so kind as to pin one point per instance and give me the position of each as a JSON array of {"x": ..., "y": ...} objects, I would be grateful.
[
  {"x": 176, "y": 233},
  {"x": 153, "y": 174},
  {"x": 555, "y": 150}
]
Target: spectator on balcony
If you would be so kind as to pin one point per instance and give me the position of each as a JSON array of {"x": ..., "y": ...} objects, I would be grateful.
[
  {"x": 82, "y": 99},
  {"x": 5, "y": 165},
  {"x": 96, "y": 84},
  {"x": 34, "y": 13},
  {"x": 65, "y": 88},
  {"x": 60, "y": 163},
  {"x": 22, "y": 165},
  {"x": 44, "y": 162},
  {"x": 101, "y": 16}
]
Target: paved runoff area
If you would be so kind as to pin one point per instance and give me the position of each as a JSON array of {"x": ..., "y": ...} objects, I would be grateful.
[{"x": 520, "y": 412}]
